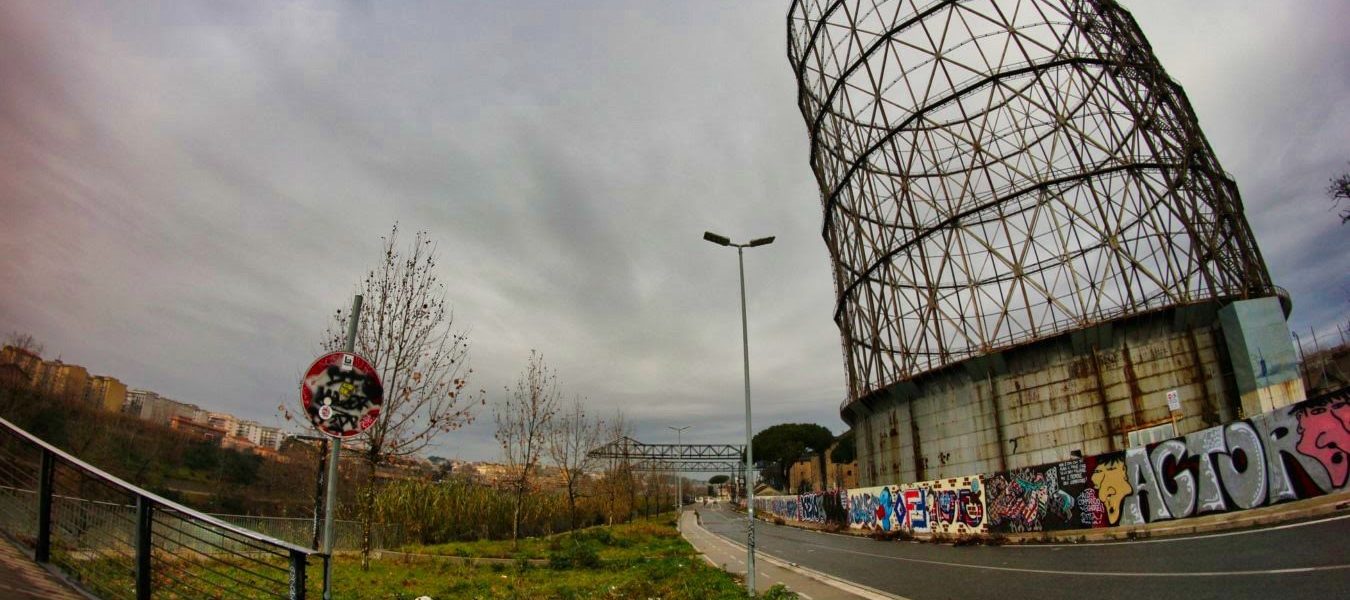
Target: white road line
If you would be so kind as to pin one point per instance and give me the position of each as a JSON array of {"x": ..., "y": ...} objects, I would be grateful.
[
  {"x": 1180, "y": 538},
  {"x": 849, "y": 587},
  {"x": 1103, "y": 573},
  {"x": 1285, "y": 571},
  {"x": 804, "y": 596}
]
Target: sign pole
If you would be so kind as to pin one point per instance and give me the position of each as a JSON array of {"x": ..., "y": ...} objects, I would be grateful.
[{"x": 335, "y": 449}]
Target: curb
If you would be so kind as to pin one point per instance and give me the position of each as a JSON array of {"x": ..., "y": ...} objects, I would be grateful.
[{"x": 844, "y": 585}]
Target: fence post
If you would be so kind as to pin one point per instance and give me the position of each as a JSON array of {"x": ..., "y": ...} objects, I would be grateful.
[
  {"x": 297, "y": 575},
  {"x": 43, "y": 551},
  {"x": 144, "y": 515}
]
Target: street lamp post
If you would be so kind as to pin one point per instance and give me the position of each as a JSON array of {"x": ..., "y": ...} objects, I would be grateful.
[
  {"x": 679, "y": 477},
  {"x": 749, "y": 452}
]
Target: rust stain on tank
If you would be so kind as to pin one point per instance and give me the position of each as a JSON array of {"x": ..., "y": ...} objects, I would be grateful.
[
  {"x": 1080, "y": 367},
  {"x": 1132, "y": 382}
]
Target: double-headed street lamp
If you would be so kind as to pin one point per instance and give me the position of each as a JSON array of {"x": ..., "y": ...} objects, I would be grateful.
[
  {"x": 749, "y": 452},
  {"x": 679, "y": 477}
]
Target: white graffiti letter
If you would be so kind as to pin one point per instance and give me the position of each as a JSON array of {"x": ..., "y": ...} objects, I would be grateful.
[
  {"x": 1203, "y": 445},
  {"x": 1248, "y": 486},
  {"x": 1140, "y": 475},
  {"x": 1182, "y": 502},
  {"x": 1280, "y": 435}
]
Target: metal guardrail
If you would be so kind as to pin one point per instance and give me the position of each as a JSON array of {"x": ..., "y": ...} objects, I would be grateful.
[
  {"x": 300, "y": 531},
  {"x": 120, "y": 541}
]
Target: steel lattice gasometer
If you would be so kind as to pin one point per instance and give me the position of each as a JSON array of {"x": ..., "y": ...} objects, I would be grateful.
[{"x": 999, "y": 172}]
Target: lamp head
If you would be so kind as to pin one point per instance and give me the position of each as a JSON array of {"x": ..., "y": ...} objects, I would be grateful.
[
  {"x": 716, "y": 239},
  {"x": 764, "y": 241}
]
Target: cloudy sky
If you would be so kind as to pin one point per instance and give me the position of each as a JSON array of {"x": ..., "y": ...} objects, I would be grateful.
[{"x": 189, "y": 189}]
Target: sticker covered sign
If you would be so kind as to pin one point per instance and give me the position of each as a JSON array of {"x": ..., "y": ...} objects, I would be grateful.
[{"x": 342, "y": 394}]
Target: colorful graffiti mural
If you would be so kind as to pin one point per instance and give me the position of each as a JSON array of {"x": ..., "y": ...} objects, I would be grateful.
[
  {"x": 955, "y": 506},
  {"x": 1299, "y": 451},
  {"x": 947, "y": 506},
  {"x": 815, "y": 507},
  {"x": 871, "y": 508},
  {"x": 1295, "y": 452}
]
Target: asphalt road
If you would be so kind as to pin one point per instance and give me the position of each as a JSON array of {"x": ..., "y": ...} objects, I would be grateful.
[{"x": 1307, "y": 560}]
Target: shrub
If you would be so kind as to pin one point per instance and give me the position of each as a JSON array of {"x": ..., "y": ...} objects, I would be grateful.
[
  {"x": 778, "y": 592},
  {"x": 576, "y": 554}
]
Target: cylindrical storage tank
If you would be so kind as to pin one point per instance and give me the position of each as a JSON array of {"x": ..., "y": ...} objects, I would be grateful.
[{"x": 995, "y": 173}]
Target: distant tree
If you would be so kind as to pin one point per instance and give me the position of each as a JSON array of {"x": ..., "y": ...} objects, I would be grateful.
[
  {"x": 407, "y": 331},
  {"x": 617, "y": 487},
  {"x": 570, "y": 441},
  {"x": 238, "y": 467},
  {"x": 845, "y": 449},
  {"x": 719, "y": 479},
  {"x": 845, "y": 452},
  {"x": 782, "y": 445},
  {"x": 24, "y": 341},
  {"x": 524, "y": 418},
  {"x": 1340, "y": 190},
  {"x": 779, "y": 449},
  {"x": 201, "y": 455}
]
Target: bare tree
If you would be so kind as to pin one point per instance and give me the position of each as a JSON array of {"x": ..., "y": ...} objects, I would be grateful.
[
  {"x": 524, "y": 418},
  {"x": 570, "y": 440},
  {"x": 407, "y": 332},
  {"x": 1339, "y": 189},
  {"x": 24, "y": 341},
  {"x": 618, "y": 484}
]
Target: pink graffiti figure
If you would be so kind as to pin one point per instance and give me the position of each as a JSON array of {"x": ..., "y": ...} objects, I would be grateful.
[{"x": 1324, "y": 434}]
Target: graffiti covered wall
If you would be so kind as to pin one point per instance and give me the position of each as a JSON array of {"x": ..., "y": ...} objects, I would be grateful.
[
  {"x": 946, "y": 506},
  {"x": 1295, "y": 452},
  {"x": 956, "y": 506},
  {"x": 1299, "y": 451}
]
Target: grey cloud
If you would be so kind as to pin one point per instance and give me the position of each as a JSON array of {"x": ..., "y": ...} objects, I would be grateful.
[{"x": 197, "y": 186}]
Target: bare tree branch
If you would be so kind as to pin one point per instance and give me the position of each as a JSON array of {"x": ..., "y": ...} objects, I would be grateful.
[
  {"x": 24, "y": 341},
  {"x": 524, "y": 418},
  {"x": 570, "y": 441},
  {"x": 1339, "y": 189},
  {"x": 407, "y": 332}
]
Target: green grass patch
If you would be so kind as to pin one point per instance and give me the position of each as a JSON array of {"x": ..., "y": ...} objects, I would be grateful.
[
  {"x": 645, "y": 559},
  {"x": 642, "y": 539},
  {"x": 672, "y": 578}
]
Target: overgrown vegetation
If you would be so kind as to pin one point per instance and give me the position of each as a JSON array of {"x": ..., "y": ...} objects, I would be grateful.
[
  {"x": 643, "y": 559},
  {"x": 198, "y": 473},
  {"x": 434, "y": 512}
]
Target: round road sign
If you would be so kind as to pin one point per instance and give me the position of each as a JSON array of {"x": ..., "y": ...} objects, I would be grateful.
[{"x": 342, "y": 394}]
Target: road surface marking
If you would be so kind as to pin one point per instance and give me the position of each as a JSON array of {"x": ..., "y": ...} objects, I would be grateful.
[
  {"x": 1104, "y": 573},
  {"x": 1180, "y": 538},
  {"x": 1284, "y": 571}
]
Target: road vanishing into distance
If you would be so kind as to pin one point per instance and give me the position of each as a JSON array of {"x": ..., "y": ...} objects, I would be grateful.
[{"x": 1301, "y": 560}]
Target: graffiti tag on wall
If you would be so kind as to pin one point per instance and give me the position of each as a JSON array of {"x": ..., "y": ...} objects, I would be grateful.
[{"x": 1299, "y": 451}]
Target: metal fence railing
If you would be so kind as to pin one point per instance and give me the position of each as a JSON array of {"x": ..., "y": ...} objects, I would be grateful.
[
  {"x": 120, "y": 541},
  {"x": 300, "y": 531}
]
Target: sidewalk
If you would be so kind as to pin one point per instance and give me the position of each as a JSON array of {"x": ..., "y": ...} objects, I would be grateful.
[
  {"x": 808, "y": 584},
  {"x": 21, "y": 578}
]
